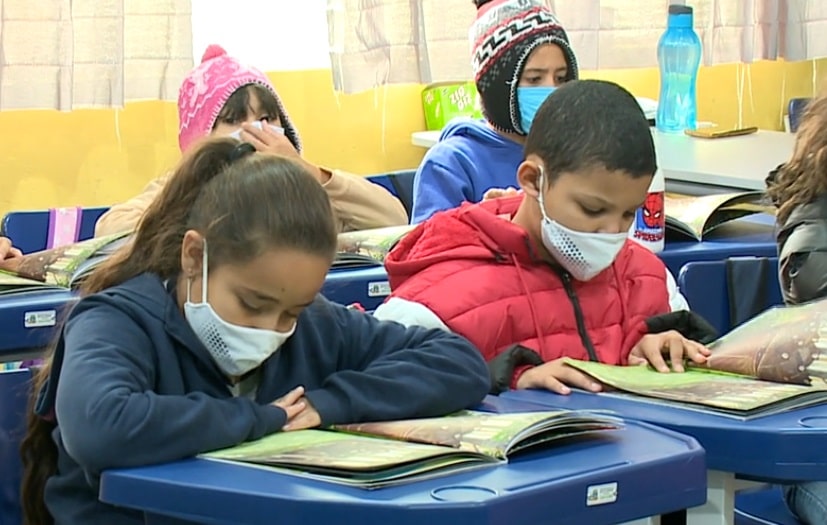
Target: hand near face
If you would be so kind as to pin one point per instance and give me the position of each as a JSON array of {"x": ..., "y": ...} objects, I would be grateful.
[
  {"x": 267, "y": 140},
  {"x": 557, "y": 377},
  {"x": 651, "y": 349},
  {"x": 496, "y": 193}
]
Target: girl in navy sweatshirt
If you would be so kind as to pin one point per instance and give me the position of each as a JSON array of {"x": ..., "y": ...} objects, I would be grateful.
[{"x": 208, "y": 331}]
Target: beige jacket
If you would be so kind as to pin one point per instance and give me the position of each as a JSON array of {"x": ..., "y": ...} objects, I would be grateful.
[{"x": 358, "y": 204}]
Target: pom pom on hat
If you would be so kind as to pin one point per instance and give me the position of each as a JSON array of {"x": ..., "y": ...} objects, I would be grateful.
[{"x": 213, "y": 51}]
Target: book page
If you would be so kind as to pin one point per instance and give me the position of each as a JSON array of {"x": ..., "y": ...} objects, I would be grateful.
[
  {"x": 13, "y": 282},
  {"x": 695, "y": 213},
  {"x": 371, "y": 246},
  {"x": 697, "y": 386},
  {"x": 782, "y": 344},
  {"x": 484, "y": 433},
  {"x": 322, "y": 450}
]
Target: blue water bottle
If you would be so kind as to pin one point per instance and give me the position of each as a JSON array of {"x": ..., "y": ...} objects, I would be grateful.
[{"x": 679, "y": 55}]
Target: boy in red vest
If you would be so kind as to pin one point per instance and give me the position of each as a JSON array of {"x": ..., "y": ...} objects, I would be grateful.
[{"x": 550, "y": 273}]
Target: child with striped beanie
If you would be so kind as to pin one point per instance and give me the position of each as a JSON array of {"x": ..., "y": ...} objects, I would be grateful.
[{"x": 520, "y": 54}]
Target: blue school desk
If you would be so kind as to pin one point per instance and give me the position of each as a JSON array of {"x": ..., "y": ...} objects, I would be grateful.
[
  {"x": 367, "y": 286},
  {"x": 780, "y": 448},
  {"x": 655, "y": 471},
  {"x": 28, "y": 320}
]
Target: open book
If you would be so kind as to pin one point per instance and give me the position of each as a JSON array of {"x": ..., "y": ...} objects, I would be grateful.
[
  {"x": 368, "y": 247},
  {"x": 696, "y": 217},
  {"x": 774, "y": 362},
  {"x": 60, "y": 268},
  {"x": 374, "y": 455}
]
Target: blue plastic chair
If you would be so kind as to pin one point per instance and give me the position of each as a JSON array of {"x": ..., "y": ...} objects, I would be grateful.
[
  {"x": 726, "y": 293},
  {"x": 29, "y": 230},
  {"x": 14, "y": 397},
  {"x": 400, "y": 184},
  {"x": 763, "y": 506},
  {"x": 795, "y": 111}
]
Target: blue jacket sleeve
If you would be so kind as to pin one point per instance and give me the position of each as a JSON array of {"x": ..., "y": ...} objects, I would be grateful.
[
  {"x": 441, "y": 183},
  {"x": 108, "y": 414},
  {"x": 387, "y": 371}
]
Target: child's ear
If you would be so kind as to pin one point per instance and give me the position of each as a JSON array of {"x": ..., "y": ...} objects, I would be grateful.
[
  {"x": 528, "y": 177},
  {"x": 192, "y": 253}
]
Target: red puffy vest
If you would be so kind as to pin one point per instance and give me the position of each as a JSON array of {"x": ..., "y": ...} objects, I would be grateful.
[{"x": 481, "y": 275}]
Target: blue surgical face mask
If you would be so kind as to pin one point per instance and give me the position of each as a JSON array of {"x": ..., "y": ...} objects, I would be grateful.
[{"x": 529, "y": 100}]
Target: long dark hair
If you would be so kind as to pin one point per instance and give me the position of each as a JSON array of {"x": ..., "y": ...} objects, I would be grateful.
[
  {"x": 244, "y": 203},
  {"x": 804, "y": 177}
]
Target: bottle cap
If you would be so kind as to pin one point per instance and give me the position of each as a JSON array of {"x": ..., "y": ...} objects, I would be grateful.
[{"x": 680, "y": 10}]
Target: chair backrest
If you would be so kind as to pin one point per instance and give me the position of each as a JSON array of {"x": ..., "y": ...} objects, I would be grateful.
[
  {"x": 14, "y": 398},
  {"x": 400, "y": 184},
  {"x": 32, "y": 231},
  {"x": 795, "y": 111},
  {"x": 726, "y": 293}
]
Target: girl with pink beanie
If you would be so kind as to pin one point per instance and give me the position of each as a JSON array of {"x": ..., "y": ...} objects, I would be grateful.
[{"x": 222, "y": 96}]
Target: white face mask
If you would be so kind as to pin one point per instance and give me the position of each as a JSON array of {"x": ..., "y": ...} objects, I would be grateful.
[
  {"x": 236, "y": 349},
  {"x": 257, "y": 124},
  {"x": 583, "y": 255}
]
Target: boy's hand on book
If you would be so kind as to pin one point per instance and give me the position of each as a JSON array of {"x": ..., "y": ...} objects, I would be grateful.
[
  {"x": 557, "y": 376},
  {"x": 652, "y": 347}
]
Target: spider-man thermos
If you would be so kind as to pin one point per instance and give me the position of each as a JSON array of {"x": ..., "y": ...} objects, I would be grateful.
[{"x": 649, "y": 226}]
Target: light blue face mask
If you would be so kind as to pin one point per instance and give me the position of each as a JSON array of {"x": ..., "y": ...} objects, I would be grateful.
[{"x": 529, "y": 99}]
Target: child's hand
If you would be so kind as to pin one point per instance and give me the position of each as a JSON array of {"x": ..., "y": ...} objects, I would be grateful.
[
  {"x": 555, "y": 376},
  {"x": 9, "y": 255},
  {"x": 292, "y": 402},
  {"x": 307, "y": 418},
  {"x": 496, "y": 193},
  {"x": 652, "y": 347},
  {"x": 267, "y": 140}
]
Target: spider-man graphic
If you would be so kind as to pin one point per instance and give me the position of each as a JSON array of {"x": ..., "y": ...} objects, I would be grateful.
[
  {"x": 652, "y": 211},
  {"x": 650, "y": 220}
]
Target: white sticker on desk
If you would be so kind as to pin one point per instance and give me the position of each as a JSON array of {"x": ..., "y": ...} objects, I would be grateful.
[
  {"x": 601, "y": 494},
  {"x": 40, "y": 319},
  {"x": 379, "y": 289}
]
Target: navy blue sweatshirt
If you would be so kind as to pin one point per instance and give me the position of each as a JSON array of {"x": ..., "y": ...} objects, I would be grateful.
[{"x": 132, "y": 385}]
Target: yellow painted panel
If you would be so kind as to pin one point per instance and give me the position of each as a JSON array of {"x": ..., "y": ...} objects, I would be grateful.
[{"x": 95, "y": 157}]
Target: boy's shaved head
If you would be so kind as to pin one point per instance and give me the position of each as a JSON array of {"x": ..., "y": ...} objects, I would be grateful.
[{"x": 592, "y": 123}]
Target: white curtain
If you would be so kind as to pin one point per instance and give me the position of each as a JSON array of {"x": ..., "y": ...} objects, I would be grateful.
[
  {"x": 68, "y": 54},
  {"x": 375, "y": 42}
]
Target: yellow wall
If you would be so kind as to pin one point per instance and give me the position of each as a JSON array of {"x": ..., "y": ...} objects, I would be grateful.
[{"x": 96, "y": 157}]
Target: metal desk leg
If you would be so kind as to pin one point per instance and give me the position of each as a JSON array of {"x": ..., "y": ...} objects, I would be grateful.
[{"x": 719, "y": 508}]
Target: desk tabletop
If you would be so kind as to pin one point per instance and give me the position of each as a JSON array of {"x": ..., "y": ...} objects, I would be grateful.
[
  {"x": 654, "y": 470},
  {"x": 734, "y": 162},
  {"x": 781, "y": 447}
]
